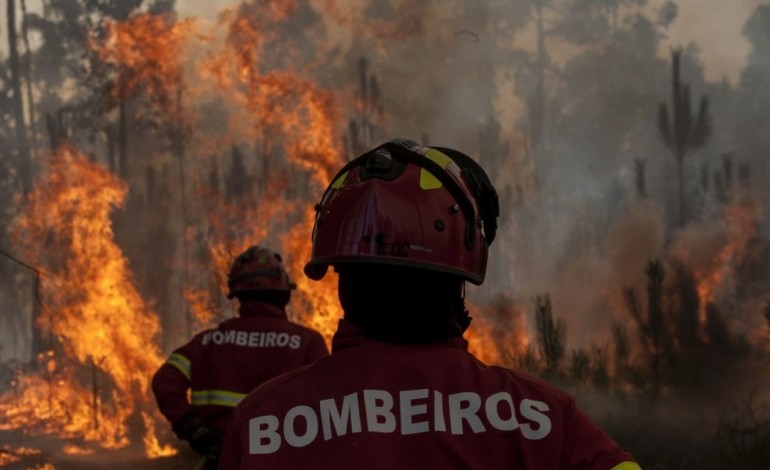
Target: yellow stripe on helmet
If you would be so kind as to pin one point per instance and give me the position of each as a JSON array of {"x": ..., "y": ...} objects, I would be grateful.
[
  {"x": 338, "y": 182},
  {"x": 427, "y": 180},
  {"x": 627, "y": 466}
]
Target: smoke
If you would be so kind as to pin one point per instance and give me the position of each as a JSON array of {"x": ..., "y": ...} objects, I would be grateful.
[{"x": 716, "y": 27}]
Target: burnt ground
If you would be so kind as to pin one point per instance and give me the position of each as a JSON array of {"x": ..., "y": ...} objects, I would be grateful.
[{"x": 19, "y": 452}]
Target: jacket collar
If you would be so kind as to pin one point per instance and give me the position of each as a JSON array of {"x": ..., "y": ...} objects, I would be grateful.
[
  {"x": 260, "y": 309},
  {"x": 349, "y": 335}
]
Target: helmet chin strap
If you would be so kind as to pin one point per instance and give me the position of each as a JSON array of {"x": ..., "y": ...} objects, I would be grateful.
[{"x": 464, "y": 318}]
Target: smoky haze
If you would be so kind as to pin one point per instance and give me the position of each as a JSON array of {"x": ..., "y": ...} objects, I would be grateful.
[{"x": 560, "y": 100}]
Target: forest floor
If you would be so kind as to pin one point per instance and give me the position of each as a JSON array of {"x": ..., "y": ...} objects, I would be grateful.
[{"x": 20, "y": 452}]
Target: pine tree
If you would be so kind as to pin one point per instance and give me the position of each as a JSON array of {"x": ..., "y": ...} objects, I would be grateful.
[
  {"x": 682, "y": 131},
  {"x": 550, "y": 335},
  {"x": 652, "y": 325}
]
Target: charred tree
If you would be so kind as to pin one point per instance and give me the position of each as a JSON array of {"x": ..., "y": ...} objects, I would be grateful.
[
  {"x": 744, "y": 173},
  {"x": 122, "y": 138},
  {"x": 158, "y": 240},
  {"x": 17, "y": 102},
  {"x": 23, "y": 151},
  {"x": 641, "y": 181},
  {"x": 704, "y": 178},
  {"x": 719, "y": 187},
  {"x": 363, "y": 130},
  {"x": 652, "y": 323},
  {"x": 727, "y": 169},
  {"x": 682, "y": 131},
  {"x": 178, "y": 135},
  {"x": 237, "y": 184},
  {"x": 59, "y": 132},
  {"x": 580, "y": 367},
  {"x": 717, "y": 331},
  {"x": 600, "y": 377},
  {"x": 537, "y": 100},
  {"x": 622, "y": 352},
  {"x": 550, "y": 335},
  {"x": 28, "y": 75},
  {"x": 686, "y": 313}
]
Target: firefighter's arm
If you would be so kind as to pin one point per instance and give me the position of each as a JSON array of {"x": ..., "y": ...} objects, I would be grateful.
[{"x": 170, "y": 384}]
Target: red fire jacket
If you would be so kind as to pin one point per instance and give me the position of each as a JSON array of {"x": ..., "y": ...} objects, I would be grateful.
[
  {"x": 221, "y": 365},
  {"x": 376, "y": 405}
]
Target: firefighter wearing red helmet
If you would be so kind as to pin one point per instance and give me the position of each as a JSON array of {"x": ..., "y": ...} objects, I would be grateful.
[
  {"x": 219, "y": 366},
  {"x": 404, "y": 226}
]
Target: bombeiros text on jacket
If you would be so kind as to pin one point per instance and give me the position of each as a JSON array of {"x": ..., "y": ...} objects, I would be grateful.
[
  {"x": 405, "y": 412},
  {"x": 254, "y": 339}
]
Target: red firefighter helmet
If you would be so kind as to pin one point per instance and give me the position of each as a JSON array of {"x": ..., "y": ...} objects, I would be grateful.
[
  {"x": 257, "y": 269},
  {"x": 400, "y": 203}
]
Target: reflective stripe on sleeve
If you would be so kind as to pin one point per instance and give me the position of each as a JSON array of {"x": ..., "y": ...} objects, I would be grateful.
[
  {"x": 216, "y": 397},
  {"x": 180, "y": 362},
  {"x": 627, "y": 466}
]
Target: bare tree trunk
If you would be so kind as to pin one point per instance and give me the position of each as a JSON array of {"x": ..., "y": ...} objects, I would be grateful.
[
  {"x": 28, "y": 75},
  {"x": 23, "y": 152},
  {"x": 680, "y": 171},
  {"x": 537, "y": 103},
  {"x": 25, "y": 167},
  {"x": 178, "y": 143},
  {"x": 123, "y": 170},
  {"x": 111, "y": 160}
]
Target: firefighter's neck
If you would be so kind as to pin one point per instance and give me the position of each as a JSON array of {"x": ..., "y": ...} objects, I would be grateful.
[{"x": 258, "y": 308}]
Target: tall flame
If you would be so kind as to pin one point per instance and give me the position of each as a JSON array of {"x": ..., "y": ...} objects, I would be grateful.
[
  {"x": 498, "y": 334},
  {"x": 739, "y": 228},
  {"x": 93, "y": 312},
  {"x": 300, "y": 118}
]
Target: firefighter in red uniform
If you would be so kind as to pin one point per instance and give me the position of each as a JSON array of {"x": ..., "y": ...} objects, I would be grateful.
[
  {"x": 405, "y": 226},
  {"x": 221, "y": 365}
]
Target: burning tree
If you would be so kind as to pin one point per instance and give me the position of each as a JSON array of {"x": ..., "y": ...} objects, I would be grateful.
[
  {"x": 652, "y": 324},
  {"x": 550, "y": 335}
]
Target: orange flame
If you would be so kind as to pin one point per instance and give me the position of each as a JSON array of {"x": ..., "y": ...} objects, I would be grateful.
[
  {"x": 203, "y": 309},
  {"x": 9, "y": 455},
  {"x": 93, "y": 312},
  {"x": 740, "y": 224},
  {"x": 72, "y": 449},
  {"x": 299, "y": 119},
  {"x": 146, "y": 51},
  {"x": 498, "y": 333}
]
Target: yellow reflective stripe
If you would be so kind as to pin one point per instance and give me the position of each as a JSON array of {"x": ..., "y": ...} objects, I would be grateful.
[
  {"x": 627, "y": 466},
  {"x": 180, "y": 362},
  {"x": 427, "y": 180},
  {"x": 441, "y": 158},
  {"x": 216, "y": 397},
  {"x": 338, "y": 182}
]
